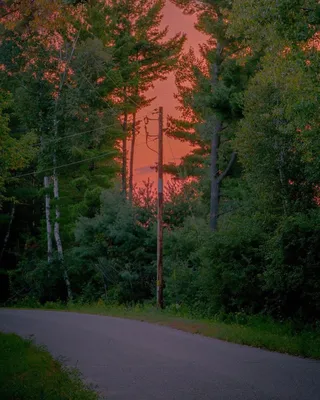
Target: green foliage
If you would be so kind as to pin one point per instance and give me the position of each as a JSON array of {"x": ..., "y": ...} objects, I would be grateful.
[
  {"x": 265, "y": 22},
  {"x": 37, "y": 279},
  {"x": 210, "y": 89},
  {"x": 260, "y": 81},
  {"x": 16, "y": 153},
  {"x": 115, "y": 253},
  {"x": 256, "y": 263},
  {"x": 140, "y": 51},
  {"x": 292, "y": 274},
  {"x": 278, "y": 141},
  {"x": 183, "y": 264},
  {"x": 29, "y": 372},
  {"x": 221, "y": 271}
]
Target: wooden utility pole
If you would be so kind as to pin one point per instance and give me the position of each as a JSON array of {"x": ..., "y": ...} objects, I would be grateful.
[
  {"x": 160, "y": 215},
  {"x": 124, "y": 154},
  {"x": 133, "y": 142}
]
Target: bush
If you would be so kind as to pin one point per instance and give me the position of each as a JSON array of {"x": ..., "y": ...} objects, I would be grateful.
[
  {"x": 183, "y": 264},
  {"x": 115, "y": 254},
  {"x": 292, "y": 275},
  {"x": 217, "y": 272},
  {"x": 37, "y": 279}
]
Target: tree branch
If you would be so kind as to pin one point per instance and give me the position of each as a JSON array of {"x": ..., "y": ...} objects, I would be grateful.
[
  {"x": 226, "y": 171},
  {"x": 233, "y": 52},
  {"x": 9, "y": 10}
]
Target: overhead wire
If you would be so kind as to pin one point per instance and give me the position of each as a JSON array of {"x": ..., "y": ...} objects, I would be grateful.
[
  {"x": 75, "y": 134},
  {"x": 107, "y": 74},
  {"x": 146, "y": 122},
  {"x": 91, "y": 130},
  {"x": 114, "y": 111},
  {"x": 113, "y": 152}
]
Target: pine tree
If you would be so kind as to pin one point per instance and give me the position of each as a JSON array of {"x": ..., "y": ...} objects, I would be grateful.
[
  {"x": 210, "y": 92},
  {"x": 141, "y": 55}
]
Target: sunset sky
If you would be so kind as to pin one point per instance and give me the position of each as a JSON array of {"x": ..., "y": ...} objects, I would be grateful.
[{"x": 173, "y": 149}]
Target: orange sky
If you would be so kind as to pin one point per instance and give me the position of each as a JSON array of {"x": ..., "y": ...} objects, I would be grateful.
[{"x": 164, "y": 91}]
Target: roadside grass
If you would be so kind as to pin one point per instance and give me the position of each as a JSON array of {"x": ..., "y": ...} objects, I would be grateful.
[
  {"x": 256, "y": 331},
  {"x": 28, "y": 372}
]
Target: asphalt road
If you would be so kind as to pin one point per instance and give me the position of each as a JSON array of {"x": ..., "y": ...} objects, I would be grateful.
[{"x": 132, "y": 360}]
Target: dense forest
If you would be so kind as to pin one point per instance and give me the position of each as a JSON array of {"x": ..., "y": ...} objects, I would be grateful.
[{"x": 241, "y": 210}]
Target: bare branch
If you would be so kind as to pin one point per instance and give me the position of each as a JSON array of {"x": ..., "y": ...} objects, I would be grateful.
[{"x": 226, "y": 171}]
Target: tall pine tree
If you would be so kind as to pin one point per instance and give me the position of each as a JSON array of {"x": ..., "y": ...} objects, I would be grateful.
[{"x": 141, "y": 53}]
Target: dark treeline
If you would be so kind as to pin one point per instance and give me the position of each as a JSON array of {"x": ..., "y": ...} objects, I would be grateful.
[{"x": 242, "y": 211}]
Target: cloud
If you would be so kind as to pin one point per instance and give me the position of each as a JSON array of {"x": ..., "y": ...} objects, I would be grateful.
[{"x": 143, "y": 170}]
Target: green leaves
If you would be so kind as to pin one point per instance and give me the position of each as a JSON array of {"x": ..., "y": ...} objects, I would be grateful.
[
  {"x": 281, "y": 114},
  {"x": 15, "y": 154},
  {"x": 266, "y": 23},
  {"x": 120, "y": 234}
]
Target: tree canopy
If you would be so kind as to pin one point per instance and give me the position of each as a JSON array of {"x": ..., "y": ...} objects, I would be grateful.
[{"x": 241, "y": 209}]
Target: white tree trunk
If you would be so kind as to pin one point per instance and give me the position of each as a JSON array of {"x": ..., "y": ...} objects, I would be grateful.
[
  {"x": 57, "y": 235},
  {"x": 48, "y": 221},
  {"x": 56, "y": 222}
]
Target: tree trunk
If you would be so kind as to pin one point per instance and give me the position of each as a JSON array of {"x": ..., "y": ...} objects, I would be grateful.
[
  {"x": 133, "y": 142},
  {"x": 215, "y": 182},
  {"x": 57, "y": 219},
  {"x": 6, "y": 239},
  {"x": 57, "y": 235},
  {"x": 57, "y": 230},
  {"x": 48, "y": 221},
  {"x": 124, "y": 154}
]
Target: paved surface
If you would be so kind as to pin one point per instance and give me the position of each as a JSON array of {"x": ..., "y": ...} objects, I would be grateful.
[{"x": 131, "y": 360}]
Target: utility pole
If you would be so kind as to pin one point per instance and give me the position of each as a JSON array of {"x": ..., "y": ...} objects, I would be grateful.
[
  {"x": 160, "y": 214},
  {"x": 160, "y": 303}
]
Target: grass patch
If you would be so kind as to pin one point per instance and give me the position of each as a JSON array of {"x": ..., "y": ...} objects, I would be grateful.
[
  {"x": 28, "y": 372},
  {"x": 255, "y": 331}
]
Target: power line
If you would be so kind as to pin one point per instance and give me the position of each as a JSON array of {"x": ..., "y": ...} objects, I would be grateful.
[
  {"x": 82, "y": 133},
  {"x": 107, "y": 74},
  {"x": 115, "y": 113},
  {"x": 134, "y": 102},
  {"x": 63, "y": 166},
  {"x": 91, "y": 130},
  {"x": 67, "y": 165},
  {"x": 112, "y": 109},
  {"x": 76, "y": 134},
  {"x": 173, "y": 157},
  {"x": 178, "y": 166},
  {"x": 146, "y": 122}
]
